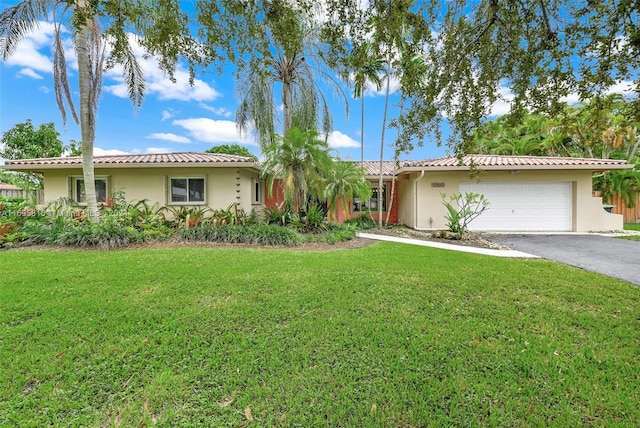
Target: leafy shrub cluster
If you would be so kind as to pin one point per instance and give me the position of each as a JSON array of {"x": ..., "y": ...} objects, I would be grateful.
[
  {"x": 260, "y": 234},
  {"x": 363, "y": 221},
  {"x": 462, "y": 209},
  {"x": 122, "y": 223}
]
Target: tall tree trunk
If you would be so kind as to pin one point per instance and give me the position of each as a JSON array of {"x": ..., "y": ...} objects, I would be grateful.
[
  {"x": 396, "y": 161},
  {"x": 286, "y": 96},
  {"x": 384, "y": 128},
  {"x": 86, "y": 120}
]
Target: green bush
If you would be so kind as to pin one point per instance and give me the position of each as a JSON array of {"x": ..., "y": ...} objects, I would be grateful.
[
  {"x": 341, "y": 233},
  {"x": 254, "y": 234},
  {"x": 314, "y": 220},
  {"x": 363, "y": 221},
  {"x": 462, "y": 209},
  {"x": 278, "y": 215}
]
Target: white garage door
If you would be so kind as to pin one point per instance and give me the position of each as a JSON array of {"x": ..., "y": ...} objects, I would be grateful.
[{"x": 523, "y": 206}]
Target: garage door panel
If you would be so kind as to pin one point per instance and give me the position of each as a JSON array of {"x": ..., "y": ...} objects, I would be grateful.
[{"x": 523, "y": 206}]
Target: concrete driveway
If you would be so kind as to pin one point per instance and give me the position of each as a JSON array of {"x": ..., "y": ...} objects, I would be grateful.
[{"x": 618, "y": 258}]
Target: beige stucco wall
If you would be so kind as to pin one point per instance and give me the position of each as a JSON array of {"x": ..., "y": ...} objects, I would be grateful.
[
  {"x": 588, "y": 214},
  {"x": 406, "y": 200},
  {"x": 224, "y": 186}
]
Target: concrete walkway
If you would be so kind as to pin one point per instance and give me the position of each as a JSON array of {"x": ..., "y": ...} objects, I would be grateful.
[{"x": 462, "y": 248}]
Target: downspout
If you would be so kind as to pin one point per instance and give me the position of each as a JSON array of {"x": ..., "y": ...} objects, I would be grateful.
[{"x": 415, "y": 194}]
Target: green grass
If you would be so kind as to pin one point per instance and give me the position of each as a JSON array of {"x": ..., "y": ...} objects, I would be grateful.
[
  {"x": 631, "y": 226},
  {"x": 386, "y": 335}
]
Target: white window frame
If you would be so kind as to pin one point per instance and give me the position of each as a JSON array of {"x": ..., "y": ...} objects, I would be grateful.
[
  {"x": 187, "y": 202},
  {"x": 367, "y": 205},
  {"x": 79, "y": 178}
]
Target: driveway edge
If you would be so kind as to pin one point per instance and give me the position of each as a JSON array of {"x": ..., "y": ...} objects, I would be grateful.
[{"x": 453, "y": 247}]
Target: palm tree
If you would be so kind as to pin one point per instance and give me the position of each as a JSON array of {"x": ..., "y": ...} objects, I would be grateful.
[
  {"x": 300, "y": 160},
  {"x": 367, "y": 70},
  {"x": 292, "y": 62},
  {"x": 84, "y": 18},
  {"x": 344, "y": 182}
]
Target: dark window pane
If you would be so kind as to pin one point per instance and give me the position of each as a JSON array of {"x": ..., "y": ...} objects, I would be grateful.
[
  {"x": 101, "y": 190},
  {"x": 371, "y": 204},
  {"x": 178, "y": 190},
  {"x": 196, "y": 190},
  {"x": 80, "y": 196}
]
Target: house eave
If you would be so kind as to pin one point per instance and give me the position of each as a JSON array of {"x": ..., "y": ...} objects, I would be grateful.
[
  {"x": 594, "y": 168},
  {"x": 41, "y": 168}
]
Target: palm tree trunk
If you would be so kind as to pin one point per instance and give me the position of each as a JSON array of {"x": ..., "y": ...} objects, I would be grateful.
[
  {"x": 384, "y": 126},
  {"x": 86, "y": 125},
  {"x": 286, "y": 97}
]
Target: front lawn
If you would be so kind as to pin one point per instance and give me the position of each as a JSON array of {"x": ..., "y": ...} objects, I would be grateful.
[{"x": 387, "y": 335}]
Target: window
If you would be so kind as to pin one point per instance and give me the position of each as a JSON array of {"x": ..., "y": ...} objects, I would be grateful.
[
  {"x": 186, "y": 190},
  {"x": 371, "y": 204},
  {"x": 256, "y": 192},
  {"x": 79, "y": 193}
]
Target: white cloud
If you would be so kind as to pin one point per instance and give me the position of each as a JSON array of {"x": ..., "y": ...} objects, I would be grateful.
[
  {"x": 167, "y": 114},
  {"x": 27, "y": 53},
  {"x": 44, "y": 89},
  {"x": 571, "y": 99},
  {"x": 625, "y": 87},
  {"x": 394, "y": 86},
  {"x": 337, "y": 139},
  {"x": 97, "y": 151},
  {"x": 28, "y": 72},
  {"x": 158, "y": 82},
  {"x": 213, "y": 131},
  {"x": 157, "y": 150},
  {"x": 503, "y": 105},
  {"x": 218, "y": 111},
  {"x": 168, "y": 137}
]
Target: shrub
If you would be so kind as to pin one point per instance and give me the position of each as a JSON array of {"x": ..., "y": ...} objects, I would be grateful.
[
  {"x": 234, "y": 215},
  {"x": 17, "y": 210},
  {"x": 363, "y": 221},
  {"x": 105, "y": 235},
  {"x": 314, "y": 220},
  {"x": 467, "y": 207},
  {"x": 279, "y": 216},
  {"x": 341, "y": 233},
  {"x": 254, "y": 234},
  {"x": 187, "y": 216},
  {"x": 5, "y": 230}
]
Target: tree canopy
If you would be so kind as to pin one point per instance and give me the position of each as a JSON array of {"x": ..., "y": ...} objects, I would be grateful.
[
  {"x": 25, "y": 141},
  {"x": 601, "y": 127},
  {"x": 232, "y": 149}
]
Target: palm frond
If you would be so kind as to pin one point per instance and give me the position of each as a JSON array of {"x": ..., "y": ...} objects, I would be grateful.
[
  {"x": 20, "y": 20},
  {"x": 60, "y": 80}
]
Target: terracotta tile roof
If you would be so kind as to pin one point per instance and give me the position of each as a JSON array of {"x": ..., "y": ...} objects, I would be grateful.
[
  {"x": 498, "y": 162},
  {"x": 146, "y": 159},
  {"x": 373, "y": 167}
]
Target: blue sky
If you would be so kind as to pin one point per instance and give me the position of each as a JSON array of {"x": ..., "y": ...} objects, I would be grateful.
[{"x": 173, "y": 117}]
